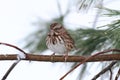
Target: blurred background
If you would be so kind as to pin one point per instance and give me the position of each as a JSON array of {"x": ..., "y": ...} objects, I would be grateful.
[{"x": 93, "y": 24}]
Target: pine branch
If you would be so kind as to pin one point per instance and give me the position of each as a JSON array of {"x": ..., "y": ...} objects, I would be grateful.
[{"x": 60, "y": 58}]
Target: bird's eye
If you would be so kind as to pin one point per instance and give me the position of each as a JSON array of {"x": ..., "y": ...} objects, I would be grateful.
[{"x": 58, "y": 28}]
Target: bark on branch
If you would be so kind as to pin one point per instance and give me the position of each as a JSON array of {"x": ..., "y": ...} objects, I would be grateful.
[{"x": 60, "y": 58}]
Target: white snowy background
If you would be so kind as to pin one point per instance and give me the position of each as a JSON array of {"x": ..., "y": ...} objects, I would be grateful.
[{"x": 16, "y": 18}]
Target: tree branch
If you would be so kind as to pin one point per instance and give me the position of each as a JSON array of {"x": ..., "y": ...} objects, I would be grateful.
[
  {"x": 19, "y": 57},
  {"x": 60, "y": 58},
  {"x": 117, "y": 75},
  {"x": 104, "y": 70},
  {"x": 85, "y": 60},
  {"x": 10, "y": 69}
]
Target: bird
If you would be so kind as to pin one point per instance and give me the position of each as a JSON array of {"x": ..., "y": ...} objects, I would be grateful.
[{"x": 59, "y": 40}]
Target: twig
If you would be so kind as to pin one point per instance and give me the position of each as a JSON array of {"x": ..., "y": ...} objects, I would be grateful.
[
  {"x": 110, "y": 74},
  {"x": 104, "y": 70},
  {"x": 118, "y": 74},
  {"x": 10, "y": 69},
  {"x": 13, "y": 46},
  {"x": 15, "y": 63},
  {"x": 87, "y": 60}
]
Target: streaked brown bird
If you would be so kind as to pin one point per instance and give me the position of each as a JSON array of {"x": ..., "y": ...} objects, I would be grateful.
[{"x": 58, "y": 40}]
